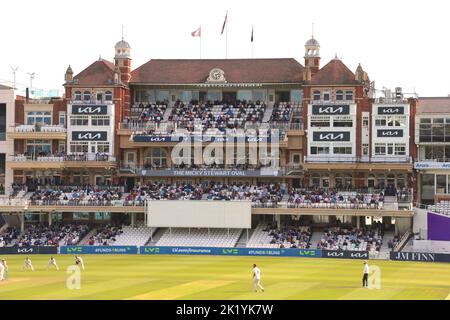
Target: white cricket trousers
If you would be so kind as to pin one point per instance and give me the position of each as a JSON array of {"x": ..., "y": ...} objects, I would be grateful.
[
  {"x": 52, "y": 264},
  {"x": 257, "y": 284},
  {"x": 28, "y": 265}
]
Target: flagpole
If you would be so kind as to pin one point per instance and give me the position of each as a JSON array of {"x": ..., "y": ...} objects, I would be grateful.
[
  {"x": 226, "y": 37},
  {"x": 200, "y": 42},
  {"x": 252, "y": 42}
]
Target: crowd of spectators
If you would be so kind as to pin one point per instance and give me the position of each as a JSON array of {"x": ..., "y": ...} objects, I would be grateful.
[
  {"x": 54, "y": 235},
  {"x": 262, "y": 194},
  {"x": 8, "y": 235},
  {"x": 76, "y": 195},
  {"x": 217, "y": 114},
  {"x": 164, "y": 191},
  {"x": 302, "y": 198},
  {"x": 152, "y": 112},
  {"x": 351, "y": 238},
  {"x": 105, "y": 236},
  {"x": 281, "y": 112},
  {"x": 290, "y": 236}
]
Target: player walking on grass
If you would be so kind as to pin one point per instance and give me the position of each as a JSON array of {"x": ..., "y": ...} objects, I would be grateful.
[
  {"x": 79, "y": 261},
  {"x": 366, "y": 275},
  {"x": 257, "y": 279},
  {"x": 27, "y": 264},
  {"x": 51, "y": 262}
]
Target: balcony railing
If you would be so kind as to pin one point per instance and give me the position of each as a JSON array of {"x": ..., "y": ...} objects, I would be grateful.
[
  {"x": 86, "y": 203},
  {"x": 94, "y": 102},
  {"x": 25, "y": 128},
  {"x": 331, "y": 102},
  {"x": 444, "y": 159},
  {"x": 62, "y": 158},
  {"x": 337, "y": 205},
  {"x": 376, "y": 159}
]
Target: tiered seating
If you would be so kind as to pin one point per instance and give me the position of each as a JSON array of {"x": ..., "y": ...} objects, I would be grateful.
[
  {"x": 105, "y": 235},
  {"x": 217, "y": 115},
  {"x": 149, "y": 112},
  {"x": 265, "y": 236},
  {"x": 165, "y": 192},
  {"x": 270, "y": 194},
  {"x": 134, "y": 236},
  {"x": 338, "y": 200},
  {"x": 281, "y": 112},
  {"x": 200, "y": 238},
  {"x": 75, "y": 196},
  {"x": 352, "y": 239},
  {"x": 8, "y": 236},
  {"x": 39, "y": 235},
  {"x": 442, "y": 207}
]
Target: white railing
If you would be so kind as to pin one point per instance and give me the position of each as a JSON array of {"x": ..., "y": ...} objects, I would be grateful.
[
  {"x": 351, "y": 159},
  {"x": 61, "y": 158},
  {"x": 95, "y": 102},
  {"x": 26, "y": 128}
]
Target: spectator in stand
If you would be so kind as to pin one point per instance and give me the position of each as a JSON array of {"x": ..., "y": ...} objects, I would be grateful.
[{"x": 54, "y": 235}]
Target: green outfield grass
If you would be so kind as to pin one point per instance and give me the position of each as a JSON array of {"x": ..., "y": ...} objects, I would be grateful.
[{"x": 213, "y": 277}]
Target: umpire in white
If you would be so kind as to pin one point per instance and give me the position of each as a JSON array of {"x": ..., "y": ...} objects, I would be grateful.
[{"x": 365, "y": 278}]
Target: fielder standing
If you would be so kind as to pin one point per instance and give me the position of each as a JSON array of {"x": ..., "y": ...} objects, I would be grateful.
[
  {"x": 257, "y": 279},
  {"x": 27, "y": 264},
  {"x": 52, "y": 262},
  {"x": 366, "y": 275}
]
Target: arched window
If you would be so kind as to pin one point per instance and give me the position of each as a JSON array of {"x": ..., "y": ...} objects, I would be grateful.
[
  {"x": 339, "y": 95},
  {"x": 87, "y": 96},
  {"x": 77, "y": 95},
  {"x": 108, "y": 96},
  {"x": 316, "y": 95},
  {"x": 348, "y": 95},
  {"x": 155, "y": 157}
]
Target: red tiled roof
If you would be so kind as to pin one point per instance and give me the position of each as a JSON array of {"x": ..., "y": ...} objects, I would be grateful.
[
  {"x": 99, "y": 73},
  {"x": 334, "y": 73},
  {"x": 184, "y": 71},
  {"x": 428, "y": 105}
]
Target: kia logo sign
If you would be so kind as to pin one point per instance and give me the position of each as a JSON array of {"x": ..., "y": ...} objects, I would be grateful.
[
  {"x": 360, "y": 255},
  {"x": 90, "y": 109},
  {"x": 390, "y": 133},
  {"x": 89, "y": 136},
  {"x": 331, "y": 110},
  {"x": 331, "y": 136},
  {"x": 391, "y": 110},
  {"x": 345, "y": 254},
  {"x": 335, "y": 254},
  {"x": 25, "y": 250}
]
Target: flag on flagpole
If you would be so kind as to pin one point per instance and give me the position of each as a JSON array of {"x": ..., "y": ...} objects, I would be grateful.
[
  {"x": 197, "y": 33},
  {"x": 224, "y": 23},
  {"x": 252, "y": 35}
]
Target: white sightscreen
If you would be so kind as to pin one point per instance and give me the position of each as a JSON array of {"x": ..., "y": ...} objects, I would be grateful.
[{"x": 199, "y": 214}]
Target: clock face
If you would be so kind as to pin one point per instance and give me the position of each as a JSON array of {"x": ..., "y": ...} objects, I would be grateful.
[{"x": 216, "y": 75}]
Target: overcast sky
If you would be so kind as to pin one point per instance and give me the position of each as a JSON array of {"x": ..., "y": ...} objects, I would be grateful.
[{"x": 399, "y": 43}]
